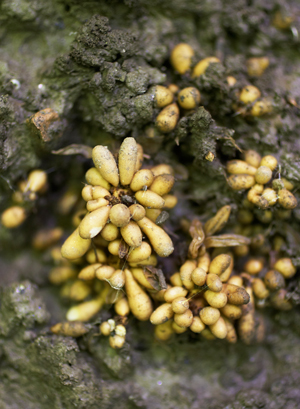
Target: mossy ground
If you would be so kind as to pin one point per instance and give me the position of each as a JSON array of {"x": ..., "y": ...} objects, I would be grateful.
[{"x": 92, "y": 63}]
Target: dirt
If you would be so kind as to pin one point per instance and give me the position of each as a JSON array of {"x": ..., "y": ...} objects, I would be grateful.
[{"x": 92, "y": 64}]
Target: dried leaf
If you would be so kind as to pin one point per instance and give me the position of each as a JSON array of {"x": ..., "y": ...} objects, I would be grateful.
[
  {"x": 119, "y": 320},
  {"x": 155, "y": 277},
  {"x": 217, "y": 222},
  {"x": 196, "y": 230},
  {"x": 162, "y": 217},
  {"x": 197, "y": 233},
  {"x": 128, "y": 200},
  {"x": 123, "y": 249},
  {"x": 228, "y": 135},
  {"x": 194, "y": 248},
  {"x": 226, "y": 240},
  {"x": 162, "y": 279},
  {"x": 75, "y": 149},
  {"x": 202, "y": 251}
]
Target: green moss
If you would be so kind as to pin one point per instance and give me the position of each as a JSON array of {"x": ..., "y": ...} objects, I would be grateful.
[{"x": 21, "y": 307}]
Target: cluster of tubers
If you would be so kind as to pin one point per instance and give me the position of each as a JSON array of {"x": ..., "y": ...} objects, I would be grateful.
[
  {"x": 119, "y": 197},
  {"x": 202, "y": 299},
  {"x": 188, "y": 99},
  {"x": 254, "y": 172},
  {"x": 248, "y": 99},
  {"x": 251, "y": 103},
  {"x": 111, "y": 257},
  {"x": 269, "y": 289},
  {"x": 207, "y": 295},
  {"x": 116, "y": 333},
  {"x": 116, "y": 236},
  {"x": 171, "y": 99},
  {"x": 28, "y": 191}
]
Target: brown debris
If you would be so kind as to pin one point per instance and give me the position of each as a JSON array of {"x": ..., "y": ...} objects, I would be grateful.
[{"x": 42, "y": 121}]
